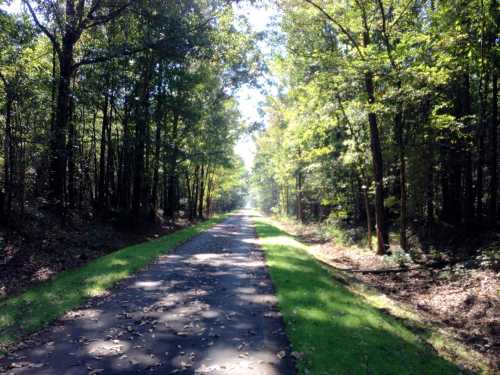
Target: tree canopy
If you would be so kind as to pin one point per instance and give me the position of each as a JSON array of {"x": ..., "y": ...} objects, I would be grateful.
[
  {"x": 122, "y": 107},
  {"x": 387, "y": 113}
]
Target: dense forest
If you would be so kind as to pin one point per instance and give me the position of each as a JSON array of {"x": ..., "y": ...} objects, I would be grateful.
[
  {"x": 126, "y": 154},
  {"x": 122, "y": 108},
  {"x": 386, "y": 117},
  {"x": 381, "y": 150},
  {"x": 118, "y": 121}
]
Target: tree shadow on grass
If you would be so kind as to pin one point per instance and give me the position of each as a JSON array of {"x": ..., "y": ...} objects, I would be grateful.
[{"x": 339, "y": 332}]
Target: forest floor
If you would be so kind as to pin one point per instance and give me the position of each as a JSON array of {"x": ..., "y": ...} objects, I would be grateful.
[
  {"x": 461, "y": 300},
  {"x": 43, "y": 247}
]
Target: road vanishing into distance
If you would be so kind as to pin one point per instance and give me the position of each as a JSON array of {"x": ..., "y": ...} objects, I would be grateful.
[{"x": 208, "y": 307}]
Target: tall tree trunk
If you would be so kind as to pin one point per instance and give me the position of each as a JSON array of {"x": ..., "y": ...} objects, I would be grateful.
[
  {"x": 9, "y": 153},
  {"x": 196, "y": 191},
  {"x": 189, "y": 194},
  {"x": 208, "y": 202},
  {"x": 399, "y": 129},
  {"x": 156, "y": 167},
  {"x": 378, "y": 171},
  {"x": 429, "y": 193},
  {"x": 94, "y": 157},
  {"x": 71, "y": 156},
  {"x": 300, "y": 208},
  {"x": 463, "y": 110},
  {"x": 139, "y": 202},
  {"x": 202, "y": 191},
  {"x": 172, "y": 180},
  {"x": 368, "y": 215},
  {"x": 57, "y": 169},
  {"x": 493, "y": 162},
  {"x": 378, "y": 165},
  {"x": 126, "y": 175},
  {"x": 101, "y": 200}
]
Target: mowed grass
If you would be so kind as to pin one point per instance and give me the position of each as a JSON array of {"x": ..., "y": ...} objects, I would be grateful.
[
  {"x": 338, "y": 332},
  {"x": 38, "y": 306}
]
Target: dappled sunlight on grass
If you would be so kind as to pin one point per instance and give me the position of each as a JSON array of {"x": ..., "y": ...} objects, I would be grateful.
[{"x": 338, "y": 331}]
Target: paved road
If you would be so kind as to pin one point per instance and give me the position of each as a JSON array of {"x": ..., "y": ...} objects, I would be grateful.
[{"x": 207, "y": 308}]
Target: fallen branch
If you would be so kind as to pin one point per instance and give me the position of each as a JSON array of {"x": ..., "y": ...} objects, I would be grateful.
[
  {"x": 375, "y": 271},
  {"x": 383, "y": 270}
]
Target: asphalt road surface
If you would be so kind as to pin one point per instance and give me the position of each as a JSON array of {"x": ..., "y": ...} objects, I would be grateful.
[{"x": 206, "y": 308}]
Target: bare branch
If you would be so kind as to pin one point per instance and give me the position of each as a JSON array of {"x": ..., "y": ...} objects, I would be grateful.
[
  {"x": 105, "y": 58},
  {"x": 340, "y": 26},
  {"x": 42, "y": 27},
  {"x": 364, "y": 15},
  {"x": 385, "y": 35},
  {"x": 92, "y": 21},
  {"x": 79, "y": 11},
  {"x": 405, "y": 9}
]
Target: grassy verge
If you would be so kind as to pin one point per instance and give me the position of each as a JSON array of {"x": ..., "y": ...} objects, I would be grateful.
[
  {"x": 38, "y": 306},
  {"x": 338, "y": 331}
]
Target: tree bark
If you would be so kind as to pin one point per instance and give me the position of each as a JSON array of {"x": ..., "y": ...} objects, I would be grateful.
[
  {"x": 101, "y": 200},
  {"x": 141, "y": 123},
  {"x": 300, "y": 208},
  {"x": 493, "y": 162},
  {"x": 9, "y": 154},
  {"x": 378, "y": 172},
  {"x": 57, "y": 169},
  {"x": 172, "y": 181}
]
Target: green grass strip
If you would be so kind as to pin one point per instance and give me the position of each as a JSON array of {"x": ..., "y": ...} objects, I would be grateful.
[
  {"x": 337, "y": 331},
  {"x": 38, "y": 306}
]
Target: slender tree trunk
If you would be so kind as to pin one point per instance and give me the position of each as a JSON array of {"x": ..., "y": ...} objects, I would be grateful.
[
  {"x": 71, "y": 157},
  {"x": 189, "y": 195},
  {"x": 429, "y": 198},
  {"x": 9, "y": 153},
  {"x": 202, "y": 192},
  {"x": 196, "y": 191},
  {"x": 156, "y": 167},
  {"x": 126, "y": 176},
  {"x": 463, "y": 109},
  {"x": 141, "y": 123},
  {"x": 300, "y": 210},
  {"x": 287, "y": 199},
  {"x": 209, "y": 194},
  {"x": 468, "y": 209},
  {"x": 94, "y": 154},
  {"x": 102, "y": 152},
  {"x": 399, "y": 129},
  {"x": 378, "y": 172},
  {"x": 368, "y": 217},
  {"x": 172, "y": 183},
  {"x": 493, "y": 163}
]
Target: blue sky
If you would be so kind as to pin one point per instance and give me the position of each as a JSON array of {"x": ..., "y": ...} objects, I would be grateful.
[{"x": 249, "y": 98}]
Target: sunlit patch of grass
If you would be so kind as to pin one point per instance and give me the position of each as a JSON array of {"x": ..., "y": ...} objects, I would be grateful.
[
  {"x": 338, "y": 331},
  {"x": 38, "y": 306}
]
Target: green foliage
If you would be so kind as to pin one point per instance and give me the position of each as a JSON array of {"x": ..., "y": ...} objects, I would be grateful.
[
  {"x": 151, "y": 104},
  {"x": 433, "y": 66}
]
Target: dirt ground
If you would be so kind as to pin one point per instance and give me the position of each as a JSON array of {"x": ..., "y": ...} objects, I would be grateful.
[
  {"x": 44, "y": 246},
  {"x": 464, "y": 299}
]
